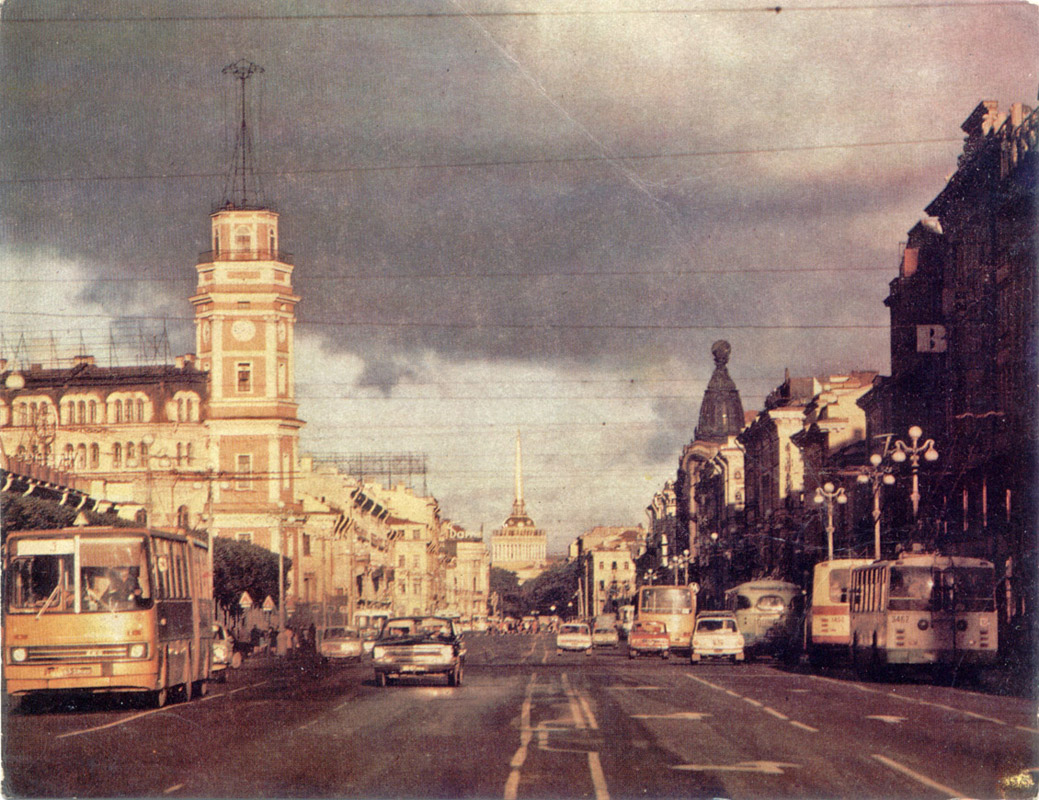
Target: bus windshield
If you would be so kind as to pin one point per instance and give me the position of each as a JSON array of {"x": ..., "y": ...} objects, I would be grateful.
[
  {"x": 949, "y": 589},
  {"x": 113, "y": 575},
  {"x": 666, "y": 600},
  {"x": 968, "y": 589},
  {"x": 911, "y": 588}
]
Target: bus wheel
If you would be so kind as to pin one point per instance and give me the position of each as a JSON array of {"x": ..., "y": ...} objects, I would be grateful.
[
  {"x": 159, "y": 698},
  {"x": 236, "y": 660},
  {"x": 201, "y": 688},
  {"x": 380, "y": 679}
]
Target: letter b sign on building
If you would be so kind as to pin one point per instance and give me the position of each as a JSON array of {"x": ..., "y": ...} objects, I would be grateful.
[{"x": 930, "y": 339}]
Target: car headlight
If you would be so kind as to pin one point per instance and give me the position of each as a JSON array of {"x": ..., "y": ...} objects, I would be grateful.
[
  {"x": 447, "y": 651},
  {"x": 19, "y": 654},
  {"x": 378, "y": 653},
  {"x": 138, "y": 650},
  {"x": 220, "y": 651}
]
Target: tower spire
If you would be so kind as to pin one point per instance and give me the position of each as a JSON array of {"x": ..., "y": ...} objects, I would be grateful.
[
  {"x": 517, "y": 505},
  {"x": 242, "y": 189}
]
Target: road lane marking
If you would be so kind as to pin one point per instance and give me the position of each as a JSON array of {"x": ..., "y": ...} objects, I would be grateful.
[
  {"x": 888, "y": 719},
  {"x": 694, "y": 716},
  {"x": 173, "y": 788},
  {"x": 575, "y": 708},
  {"x": 918, "y": 701},
  {"x": 147, "y": 713},
  {"x": 761, "y": 767},
  {"x": 640, "y": 688},
  {"x": 762, "y": 706},
  {"x": 520, "y": 756},
  {"x": 916, "y": 776},
  {"x": 598, "y": 778}
]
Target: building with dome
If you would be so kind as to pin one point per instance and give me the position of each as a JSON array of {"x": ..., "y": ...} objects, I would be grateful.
[{"x": 519, "y": 545}]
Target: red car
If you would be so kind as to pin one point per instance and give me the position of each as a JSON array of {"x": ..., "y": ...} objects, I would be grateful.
[{"x": 648, "y": 637}]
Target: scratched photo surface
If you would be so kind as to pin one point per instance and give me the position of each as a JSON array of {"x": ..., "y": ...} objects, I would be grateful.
[{"x": 419, "y": 375}]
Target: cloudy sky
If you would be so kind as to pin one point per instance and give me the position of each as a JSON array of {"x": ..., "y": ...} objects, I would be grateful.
[{"x": 532, "y": 215}]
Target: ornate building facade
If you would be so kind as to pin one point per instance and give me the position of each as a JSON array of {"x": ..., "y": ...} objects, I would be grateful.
[{"x": 519, "y": 545}]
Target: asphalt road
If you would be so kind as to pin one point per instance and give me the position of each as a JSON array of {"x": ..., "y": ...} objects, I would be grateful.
[{"x": 528, "y": 723}]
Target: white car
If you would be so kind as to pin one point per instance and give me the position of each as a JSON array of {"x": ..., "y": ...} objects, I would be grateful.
[
  {"x": 339, "y": 643},
  {"x": 223, "y": 651},
  {"x": 574, "y": 636},
  {"x": 606, "y": 636},
  {"x": 717, "y": 635}
]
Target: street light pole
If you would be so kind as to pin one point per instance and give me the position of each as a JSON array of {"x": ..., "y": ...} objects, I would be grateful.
[
  {"x": 876, "y": 476},
  {"x": 913, "y": 453},
  {"x": 829, "y": 495}
]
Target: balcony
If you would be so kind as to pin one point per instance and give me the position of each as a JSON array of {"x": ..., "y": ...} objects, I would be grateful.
[{"x": 209, "y": 256}]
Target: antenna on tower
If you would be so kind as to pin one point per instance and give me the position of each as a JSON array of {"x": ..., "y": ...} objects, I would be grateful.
[{"x": 242, "y": 180}]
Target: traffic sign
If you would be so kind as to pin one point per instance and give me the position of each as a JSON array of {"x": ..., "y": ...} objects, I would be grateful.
[
  {"x": 268, "y": 604},
  {"x": 245, "y": 601}
]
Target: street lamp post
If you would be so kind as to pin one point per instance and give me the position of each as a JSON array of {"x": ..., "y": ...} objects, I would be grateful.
[
  {"x": 913, "y": 452},
  {"x": 829, "y": 495},
  {"x": 876, "y": 475}
]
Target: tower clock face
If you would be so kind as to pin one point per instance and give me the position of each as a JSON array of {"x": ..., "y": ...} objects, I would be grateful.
[{"x": 243, "y": 330}]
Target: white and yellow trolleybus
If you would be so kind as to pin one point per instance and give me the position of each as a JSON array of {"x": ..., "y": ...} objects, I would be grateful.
[
  {"x": 828, "y": 629},
  {"x": 106, "y": 609},
  {"x": 924, "y": 610}
]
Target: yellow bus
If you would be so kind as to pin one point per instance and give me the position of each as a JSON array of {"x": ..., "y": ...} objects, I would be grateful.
[
  {"x": 675, "y": 607},
  {"x": 924, "y": 610},
  {"x": 105, "y": 609}
]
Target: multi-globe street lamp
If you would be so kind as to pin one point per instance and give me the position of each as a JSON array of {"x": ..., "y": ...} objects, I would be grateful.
[
  {"x": 877, "y": 474},
  {"x": 829, "y": 495},
  {"x": 913, "y": 451}
]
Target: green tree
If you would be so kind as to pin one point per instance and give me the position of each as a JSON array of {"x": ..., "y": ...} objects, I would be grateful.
[
  {"x": 20, "y": 513},
  {"x": 244, "y": 567},
  {"x": 505, "y": 584},
  {"x": 556, "y": 586}
]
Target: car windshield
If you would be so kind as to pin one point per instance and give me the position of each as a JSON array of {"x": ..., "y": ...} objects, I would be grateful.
[
  {"x": 574, "y": 629},
  {"x": 713, "y": 625},
  {"x": 771, "y": 603},
  {"x": 649, "y": 627},
  {"x": 339, "y": 633},
  {"x": 418, "y": 626}
]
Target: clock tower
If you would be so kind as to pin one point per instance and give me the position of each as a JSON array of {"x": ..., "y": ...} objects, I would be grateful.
[{"x": 245, "y": 313}]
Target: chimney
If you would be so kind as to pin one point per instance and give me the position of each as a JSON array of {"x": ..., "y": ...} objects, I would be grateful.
[
  {"x": 179, "y": 362},
  {"x": 81, "y": 360}
]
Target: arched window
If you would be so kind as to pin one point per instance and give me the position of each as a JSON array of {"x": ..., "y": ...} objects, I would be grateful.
[
  {"x": 129, "y": 453},
  {"x": 93, "y": 410},
  {"x": 69, "y": 416},
  {"x": 95, "y": 456},
  {"x": 180, "y": 409},
  {"x": 141, "y": 517},
  {"x": 117, "y": 455},
  {"x": 243, "y": 239},
  {"x": 82, "y": 411},
  {"x": 140, "y": 411},
  {"x": 179, "y": 453},
  {"x": 188, "y": 453},
  {"x": 81, "y": 457},
  {"x": 143, "y": 450},
  {"x": 68, "y": 458},
  {"x": 118, "y": 411}
]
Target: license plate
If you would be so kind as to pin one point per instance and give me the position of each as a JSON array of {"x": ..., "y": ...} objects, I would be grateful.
[
  {"x": 410, "y": 668},
  {"x": 68, "y": 672}
]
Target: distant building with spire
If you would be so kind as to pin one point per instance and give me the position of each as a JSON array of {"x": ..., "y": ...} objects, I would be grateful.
[{"x": 519, "y": 545}]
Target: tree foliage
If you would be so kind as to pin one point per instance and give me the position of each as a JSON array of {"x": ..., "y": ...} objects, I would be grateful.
[
  {"x": 505, "y": 584},
  {"x": 244, "y": 567},
  {"x": 21, "y": 513},
  {"x": 556, "y": 586}
]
